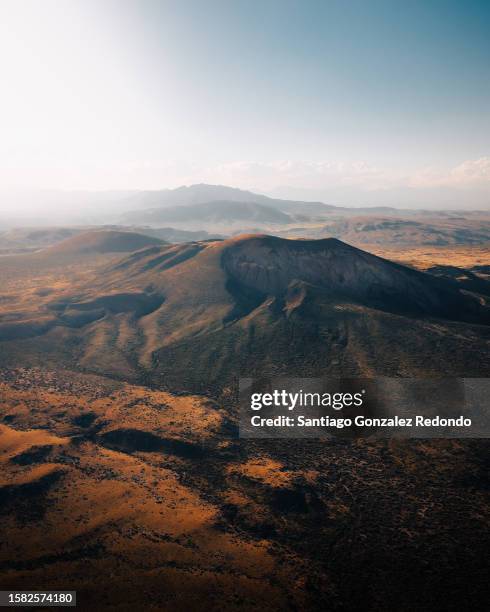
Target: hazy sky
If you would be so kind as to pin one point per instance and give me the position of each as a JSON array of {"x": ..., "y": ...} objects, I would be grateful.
[{"x": 352, "y": 101}]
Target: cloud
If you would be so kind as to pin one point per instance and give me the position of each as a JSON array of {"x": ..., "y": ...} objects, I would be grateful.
[
  {"x": 359, "y": 176},
  {"x": 466, "y": 185},
  {"x": 470, "y": 173}
]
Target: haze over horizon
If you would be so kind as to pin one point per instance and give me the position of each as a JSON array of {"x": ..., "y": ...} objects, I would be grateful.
[{"x": 351, "y": 104}]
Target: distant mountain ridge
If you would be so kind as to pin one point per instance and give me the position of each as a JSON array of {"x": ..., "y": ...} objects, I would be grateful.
[
  {"x": 219, "y": 204},
  {"x": 219, "y": 211},
  {"x": 203, "y": 193}
]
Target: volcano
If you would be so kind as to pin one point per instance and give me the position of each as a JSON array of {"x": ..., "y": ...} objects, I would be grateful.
[{"x": 196, "y": 316}]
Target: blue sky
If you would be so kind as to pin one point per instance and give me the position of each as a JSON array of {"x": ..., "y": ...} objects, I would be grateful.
[{"x": 355, "y": 102}]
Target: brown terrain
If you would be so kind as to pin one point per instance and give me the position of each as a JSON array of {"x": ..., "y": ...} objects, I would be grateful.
[
  {"x": 122, "y": 474},
  {"x": 119, "y": 491},
  {"x": 408, "y": 230}
]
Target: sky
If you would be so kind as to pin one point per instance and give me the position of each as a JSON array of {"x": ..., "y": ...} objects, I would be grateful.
[{"x": 354, "y": 102}]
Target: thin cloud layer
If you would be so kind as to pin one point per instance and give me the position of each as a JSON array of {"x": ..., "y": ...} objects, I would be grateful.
[{"x": 470, "y": 173}]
